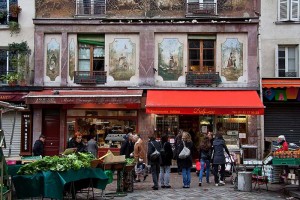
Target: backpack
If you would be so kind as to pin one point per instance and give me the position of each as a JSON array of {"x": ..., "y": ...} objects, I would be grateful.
[{"x": 162, "y": 151}]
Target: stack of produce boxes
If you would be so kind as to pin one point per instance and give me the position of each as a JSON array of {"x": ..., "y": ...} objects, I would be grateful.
[{"x": 272, "y": 172}]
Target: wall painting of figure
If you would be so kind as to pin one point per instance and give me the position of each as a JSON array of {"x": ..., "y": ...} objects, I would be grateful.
[
  {"x": 170, "y": 59},
  {"x": 122, "y": 59},
  {"x": 232, "y": 59},
  {"x": 53, "y": 57}
]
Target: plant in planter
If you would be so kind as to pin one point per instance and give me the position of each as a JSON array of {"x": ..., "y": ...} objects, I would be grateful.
[
  {"x": 11, "y": 78},
  {"x": 14, "y": 10},
  {"x": 14, "y": 28},
  {"x": 19, "y": 59}
]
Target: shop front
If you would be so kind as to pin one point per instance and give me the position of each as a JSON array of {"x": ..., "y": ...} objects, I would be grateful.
[
  {"x": 200, "y": 112},
  {"x": 106, "y": 114}
]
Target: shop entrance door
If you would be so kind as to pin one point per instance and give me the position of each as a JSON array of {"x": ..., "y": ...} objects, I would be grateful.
[{"x": 51, "y": 129}]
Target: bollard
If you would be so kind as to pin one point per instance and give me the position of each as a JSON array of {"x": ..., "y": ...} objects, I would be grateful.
[{"x": 245, "y": 181}]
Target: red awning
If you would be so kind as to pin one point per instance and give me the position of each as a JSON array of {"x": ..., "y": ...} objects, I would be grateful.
[
  {"x": 204, "y": 102},
  {"x": 93, "y": 97},
  {"x": 280, "y": 82}
]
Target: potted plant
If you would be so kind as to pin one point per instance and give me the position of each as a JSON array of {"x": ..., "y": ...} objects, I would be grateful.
[
  {"x": 19, "y": 59},
  {"x": 11, "y": 78},
  {"x": 14, "y": 27},
  {"x": 14, "y": 10}
]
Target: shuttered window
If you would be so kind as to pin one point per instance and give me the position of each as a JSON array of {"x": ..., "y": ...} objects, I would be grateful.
[
  {"x": 286, "y": 61},
  {"x": 288, "y": 10}
]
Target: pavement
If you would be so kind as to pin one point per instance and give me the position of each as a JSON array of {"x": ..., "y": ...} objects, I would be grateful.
[{"x": 143, "y": 191}]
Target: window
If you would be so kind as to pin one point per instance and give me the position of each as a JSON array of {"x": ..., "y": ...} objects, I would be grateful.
[
  {"x": 90, "y": 7},
  {"x": 286, "y": 61},
  {"x": 288, "y": 10},
  {"x": 202, "y": 6},
  {"x": 91, "y": 58},
  {"x": 5, "y": 65},
  {"x": 201, "y": 55},
  {"x": 5, "y": 17}
]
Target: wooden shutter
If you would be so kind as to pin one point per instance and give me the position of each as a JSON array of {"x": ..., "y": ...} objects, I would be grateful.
[
  {"x": 283, "y": 10},
  {"x": 276, "y": 61},
  {"x": 294, "y": 14}
]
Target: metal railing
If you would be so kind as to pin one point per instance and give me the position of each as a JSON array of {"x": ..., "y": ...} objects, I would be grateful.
[
  {"x": 87, "y": 77},
  {"x": 196, "y": 79},
  {"x": 95, "y": 7},
  {"x": 201, "y": 8}
]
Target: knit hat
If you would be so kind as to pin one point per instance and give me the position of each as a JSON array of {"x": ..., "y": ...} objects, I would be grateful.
[{"x": 281, "y": 137}]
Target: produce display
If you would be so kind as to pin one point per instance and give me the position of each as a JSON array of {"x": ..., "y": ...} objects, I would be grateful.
[
  {"x": 287, "y": 154},
  {"x": 130, "y": 161},
  {"x": 73, "y": 161}
]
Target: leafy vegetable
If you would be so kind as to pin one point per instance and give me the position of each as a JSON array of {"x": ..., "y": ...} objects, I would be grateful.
[
  {"x": 129, "y": 161},
  {"x": 55, "y": 163}
]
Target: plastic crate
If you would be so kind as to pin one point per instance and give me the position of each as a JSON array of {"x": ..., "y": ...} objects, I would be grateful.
[{"x": 286, "y": 161}]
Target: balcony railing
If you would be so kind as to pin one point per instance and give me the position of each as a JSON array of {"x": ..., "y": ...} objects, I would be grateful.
[
  {"x": 201, "y": 9},
  {"x": 196, "y": 79},
  {"x": 96, "y": 7},
  {"x": 87, "y": 77}
]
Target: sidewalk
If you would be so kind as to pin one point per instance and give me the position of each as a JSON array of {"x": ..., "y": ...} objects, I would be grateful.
[{"x": 143, "y": 191}]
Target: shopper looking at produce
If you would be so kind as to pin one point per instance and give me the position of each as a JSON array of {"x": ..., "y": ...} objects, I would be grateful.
[
  {"x": 38, "y": 147},
  {"x": 76, "y": 142},
  {"x": 92, "y": 146},
  {"x": 283, "y": 145},
  {"x": 127, "y": 146},
  {"x": 139, "y": 155}
]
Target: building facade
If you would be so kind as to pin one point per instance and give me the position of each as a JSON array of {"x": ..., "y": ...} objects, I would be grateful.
[
  {"x": 16, "y": 67},
  {"x": 148, "y": 66},
  {"x": 280, "y": 68}
]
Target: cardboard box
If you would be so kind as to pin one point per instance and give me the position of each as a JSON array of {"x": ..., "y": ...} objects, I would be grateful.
[{"x": 111, "y": 158}]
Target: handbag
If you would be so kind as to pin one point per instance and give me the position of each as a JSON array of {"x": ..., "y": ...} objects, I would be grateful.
[
  {"x": 185, "y": 152},
  {"x": 155, "y": 154}
]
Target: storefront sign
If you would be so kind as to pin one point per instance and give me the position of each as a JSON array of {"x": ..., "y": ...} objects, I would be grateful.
[
  {"x": 26, "y": 134},
  {"x": 206, "y": 111},
  {"x": 82, "y": 100},
  {"x": 12, "y": 96}
]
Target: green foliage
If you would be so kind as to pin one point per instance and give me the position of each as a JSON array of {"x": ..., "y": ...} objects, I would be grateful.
[
  {"x": 14, "y": 28},
  {"x": 55, "y": 163},
  {"x": 129, "y": 161},
  {"x": 11, "y": 77},
  {"x": 3, "y": 14},
  {"x": 20, "y": 48}
]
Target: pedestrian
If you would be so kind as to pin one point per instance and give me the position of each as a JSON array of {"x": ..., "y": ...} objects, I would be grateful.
[
  {"x": 204, "y": 157},
  {"x": 38, "y": 147},
  {"x": 76, "y": 142},
  {"x": 92, "y": 146},
  {"x": 283, "y": 145},
  {"x": 127, "y": 146},
  {"x": 154, "y": 163},
  {"x": 178, "y": 141},
  {"x": 166, "y": 154},
  {"x": 219, "y": 158},
  {"x": 139, "y": 155},
  {"x": 185, "y": 163}
]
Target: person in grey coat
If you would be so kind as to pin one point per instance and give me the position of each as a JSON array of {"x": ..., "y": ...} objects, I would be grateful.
[
  {"x": 219, "y": 158},
  {"x": 92, "y": 146}
]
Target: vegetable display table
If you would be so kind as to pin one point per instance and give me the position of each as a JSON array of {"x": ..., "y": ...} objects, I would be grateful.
[{"x": 51, "y": 184}]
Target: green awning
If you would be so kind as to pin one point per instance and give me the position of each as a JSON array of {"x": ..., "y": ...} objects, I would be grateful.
[
  {"x": 98, "y": 40},
  {"x": 202, "y": 37}
]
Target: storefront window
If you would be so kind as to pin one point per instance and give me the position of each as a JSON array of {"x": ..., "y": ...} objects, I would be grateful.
[
  {"x": 166, "y": 124},
  {"x": 101, "y": 123}
]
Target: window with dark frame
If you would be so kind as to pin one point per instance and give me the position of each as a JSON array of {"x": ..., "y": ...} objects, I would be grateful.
[
  {"x": 4, "y": 11},
  {"x": 287, "y": 59},
  {"x": 5, "y": 63},
  {"x": 201, "y": 55}
]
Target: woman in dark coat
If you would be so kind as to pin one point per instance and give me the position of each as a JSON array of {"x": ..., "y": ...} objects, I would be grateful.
[
  {"x": 155, "y": 164},
  {"x": 219, "y": 158},
  {"x": 204, "y": 157},
  {"x": 166, "y": 161},
  {"x": 186, "y": 163}
]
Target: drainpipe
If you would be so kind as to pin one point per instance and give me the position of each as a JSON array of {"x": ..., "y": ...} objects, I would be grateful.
[{"x": 261, "y": 124}]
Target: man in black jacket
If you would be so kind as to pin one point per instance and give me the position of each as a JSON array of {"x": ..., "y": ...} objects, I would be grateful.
[
  {"x": 154, "y": 163},
  {"x": 38, "y": 147}
]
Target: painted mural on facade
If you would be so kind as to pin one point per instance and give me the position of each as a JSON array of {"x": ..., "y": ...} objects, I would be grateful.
[
  {"x": 53, "y": 57},
  {"x": 232, "y": 59},
  {"x": 283, "y": 94},
  {"x": 71, "y": 58},
  {"x": 170, "y": 59},
  {"x": 122, "y": 59}
]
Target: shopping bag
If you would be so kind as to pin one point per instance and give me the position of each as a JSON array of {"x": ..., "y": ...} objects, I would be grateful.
[{"x": 185, "y": 152}]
